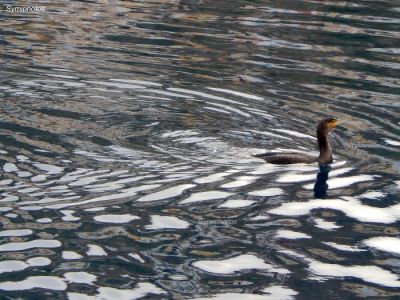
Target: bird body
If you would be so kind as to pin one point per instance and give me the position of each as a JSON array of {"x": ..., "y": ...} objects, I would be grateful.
[{"x": 287, "y": 158}]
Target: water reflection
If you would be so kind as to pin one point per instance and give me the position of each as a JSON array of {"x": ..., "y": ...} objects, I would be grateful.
[{"x": 321, "y": 187}]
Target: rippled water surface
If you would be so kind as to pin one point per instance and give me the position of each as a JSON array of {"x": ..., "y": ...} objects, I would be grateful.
[{"x": 127, "y": 135}]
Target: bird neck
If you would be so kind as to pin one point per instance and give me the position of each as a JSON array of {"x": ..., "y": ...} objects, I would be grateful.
[
  {"x": 323, "y": 143},
  {"x": 325, "y": 151}
]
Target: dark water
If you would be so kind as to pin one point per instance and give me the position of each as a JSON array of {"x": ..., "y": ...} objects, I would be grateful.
[{"x": 127, "y": 132}]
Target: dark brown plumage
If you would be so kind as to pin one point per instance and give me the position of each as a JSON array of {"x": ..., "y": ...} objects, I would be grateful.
[{"x": 325, "y": 150}]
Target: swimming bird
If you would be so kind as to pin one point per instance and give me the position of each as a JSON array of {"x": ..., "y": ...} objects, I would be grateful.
[{"x": 325, "y": 151}]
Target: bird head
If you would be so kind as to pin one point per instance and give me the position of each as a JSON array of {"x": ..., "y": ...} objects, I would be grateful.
[{"x": 326, "y": 125}]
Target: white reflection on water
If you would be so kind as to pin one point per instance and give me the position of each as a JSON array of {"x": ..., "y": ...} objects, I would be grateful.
[
  {"x": 49, "y": 169},
  {"x": 115, "y": 218},
  {"x": 134, "y": 81},
  {"x": 118, "y": 85},
  {"x": 244, "y": 95},
  {"x": 214, "y": 177},
  {"x": 392, "y": 142},
  {"x": 291, "y": 235},
  {"x": 137, "y": 257},
  {"x": 43, "y": 282},
  {"x": 167, "y": 222},
  {"x": 167, "y": 193},
  {"x": 384, "y": 243},
  {"x": 44, "y": 220},
  {"x": 140, "y": 291},
  {"x": 205, "y": 95},
  {"x": 244, "y": 296},
  {"x": 321, "y": 223},
  {"x": 239, "y": 182},
  {"x": 68, "y": 217},
  {"x": 16, "y": 232},
  {"x": 41, "y": 243},
  {"x": 80, "y": 277},
  {"x": 61, "y": 284},
  {"x": 296, "y": 134},
  {"x": 371, "y": 274},
  {"x": 95, "y": 250},
  {"x": 278, "y": 292},
  {"x": 124, "y": 193},
  {"x": 372, "y": 195},
  {"x": 17, "y": 265},
  {"x": 350, "y": 206},
  {"x": 269, "y": 192},
  {"x": 344, "y": 247},
  {"x": 10, "y": 167},
  {"x": 235, "y": 264},
  {"x": 298, "y": 177},
  {"x": 205, "y": 196},
  {"x": 71, "y": 255},
  {"x": 341, "y": 182}
]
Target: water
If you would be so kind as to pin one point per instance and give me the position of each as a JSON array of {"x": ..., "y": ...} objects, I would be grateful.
[{"x": 126, "y": 139}]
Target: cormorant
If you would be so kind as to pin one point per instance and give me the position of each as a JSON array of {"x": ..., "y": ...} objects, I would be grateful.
[{"x": 325, "y": 150}]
